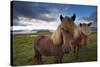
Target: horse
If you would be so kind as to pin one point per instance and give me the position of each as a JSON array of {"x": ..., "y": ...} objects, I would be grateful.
[
  {"x": 52, "y": 45},
  {"x": 79, "y": 39},
  {"x": 85, "y": 32}
]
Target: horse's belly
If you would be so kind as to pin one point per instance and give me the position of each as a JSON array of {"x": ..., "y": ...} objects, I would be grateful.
[
  {"x": 45, "y": 51},
  {"x": 51, "y": 52},
  {"x": 45, "y": 46}
]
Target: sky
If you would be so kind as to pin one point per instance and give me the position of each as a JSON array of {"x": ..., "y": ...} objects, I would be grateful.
[{"x": 36, "y": 15}]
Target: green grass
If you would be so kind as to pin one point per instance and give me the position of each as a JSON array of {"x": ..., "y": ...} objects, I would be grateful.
[{"x": 23, "y": 51}]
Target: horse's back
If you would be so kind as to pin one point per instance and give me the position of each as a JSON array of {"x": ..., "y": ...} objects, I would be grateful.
[{"x": 43, "y": 44}]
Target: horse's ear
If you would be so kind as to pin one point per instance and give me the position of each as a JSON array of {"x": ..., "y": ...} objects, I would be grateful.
[
  {"x": 89, "y": 24},
  {"x": 61, "y": 17},
  {"x": 80, "y": 24},
  {"x": 73, "y": 17}
]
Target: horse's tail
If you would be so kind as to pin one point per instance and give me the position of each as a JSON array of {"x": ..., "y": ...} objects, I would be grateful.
[{"x": 35, "y": 44}]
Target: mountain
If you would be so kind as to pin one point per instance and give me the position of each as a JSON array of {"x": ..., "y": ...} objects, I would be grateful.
[{"x": 31, "y": 31}]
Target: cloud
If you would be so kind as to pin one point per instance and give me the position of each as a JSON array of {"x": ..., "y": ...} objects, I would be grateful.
[
  {"x": 37, "y": 24},
  {"x": 31, "y": 10},
  {"x": 92, "y": 17},
  {"x": 17, "y": 22},
  {"x": 37, "y": 15},
  {"x": 42, "y": 11}
]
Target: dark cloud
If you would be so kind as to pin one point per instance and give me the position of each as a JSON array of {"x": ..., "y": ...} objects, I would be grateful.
[
  {"x": 31, "y": 10},
  {"x": 17, "y": 23}
]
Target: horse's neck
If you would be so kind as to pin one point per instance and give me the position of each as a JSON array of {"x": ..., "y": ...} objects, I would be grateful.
[
  {"x": 79, "y": 33},
  {"x": 56, "y": 37}
]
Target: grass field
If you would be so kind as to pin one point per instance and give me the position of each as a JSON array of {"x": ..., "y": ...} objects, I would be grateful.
[{"x": 23, "y": 51}]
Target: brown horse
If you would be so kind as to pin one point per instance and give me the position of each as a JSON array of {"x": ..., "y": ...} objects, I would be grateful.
[
  {"x": 85, "y": 32},
  {"x": 52, "y": 46},
  {"x": 80, "y": 38}
]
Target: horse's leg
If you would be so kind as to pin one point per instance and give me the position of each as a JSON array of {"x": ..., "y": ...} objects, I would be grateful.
[
  {"x": 58, "y": 59},
  {"x": 85, "y": 41},
  {"x": 37, "y": 57},
  {"x": 77, "y": 50},
  {"x": 74, "y": 49}
]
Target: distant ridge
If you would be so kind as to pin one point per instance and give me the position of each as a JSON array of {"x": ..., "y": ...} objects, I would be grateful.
[{"x": 31, "y": 31}]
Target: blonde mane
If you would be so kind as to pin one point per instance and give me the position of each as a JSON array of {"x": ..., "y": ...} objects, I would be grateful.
[
  {"x": 77, "y": 31},
  {"x": 56, "y": 36},
  {"x": 85, "y": 30},
  {"x": 67, "y": 24}
]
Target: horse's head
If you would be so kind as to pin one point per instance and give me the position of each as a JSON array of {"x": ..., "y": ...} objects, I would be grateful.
[
  {"x": 67, "y": 26},
  {"x": 85, "y": 28},
  {"x": 67, "y": 23},
  {"x": 85, "y": 25},
  {"x": 67, "y": 39}
]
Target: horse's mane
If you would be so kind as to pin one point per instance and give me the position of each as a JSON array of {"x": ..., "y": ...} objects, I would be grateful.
[
  {"x": 85, "y": 30},
  {"x": 56, "y": 36},
  {"x": 78, "y": 30}
]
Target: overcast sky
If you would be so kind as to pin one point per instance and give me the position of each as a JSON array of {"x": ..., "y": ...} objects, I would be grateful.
[{"x": 45, "y": 15}]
